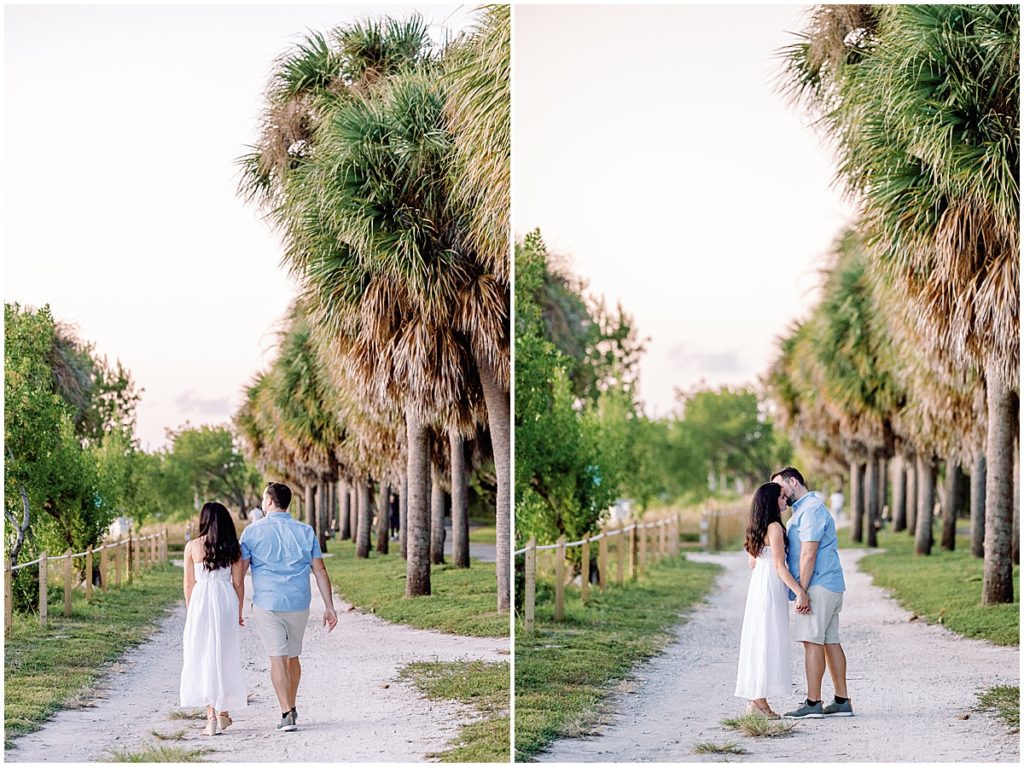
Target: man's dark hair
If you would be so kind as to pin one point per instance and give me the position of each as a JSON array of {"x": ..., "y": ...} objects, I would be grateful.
[
  {"x": 280, "y": 494},
  {"x": 790, "y": 473}
]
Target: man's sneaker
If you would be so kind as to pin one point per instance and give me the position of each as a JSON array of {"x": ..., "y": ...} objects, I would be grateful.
[
  {"x": 287, "y": 723},
  {"x": 806, "y": 711},
  {"x": 295, "y": 715},
  {"x": 838, "y": 709}
]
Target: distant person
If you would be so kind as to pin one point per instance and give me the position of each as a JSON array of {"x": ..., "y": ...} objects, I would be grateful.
[
  {"x": 211, "y": 674},
  {"x": 764, "y": 664},
  {"x": 813, "y": 559},
  {"x": 396, "y": 516},
  {"x": 282, "y": 552},
  {"x": 255, "y": 515}
]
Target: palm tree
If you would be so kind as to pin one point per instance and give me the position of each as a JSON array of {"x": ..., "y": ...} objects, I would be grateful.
[{"x": 923, "y": 104}]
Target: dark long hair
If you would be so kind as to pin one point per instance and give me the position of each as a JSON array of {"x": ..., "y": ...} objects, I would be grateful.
[
  {"x": 220, "y": 548},
  {"x": 764, "y": 509}
]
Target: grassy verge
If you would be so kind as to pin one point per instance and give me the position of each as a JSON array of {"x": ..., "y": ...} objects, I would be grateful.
[
  {"x": 944, "y": 588},
  {"x": 462, "y": 600},
  {"x": 153, "y": 754},
  {"x": 564, "y": 671},
  {"x": 483, "y": 534},
  {"x": 485, "y": 686},
  {"x": 1005, "y": 703},
  {"x": 46, "y": 671}
]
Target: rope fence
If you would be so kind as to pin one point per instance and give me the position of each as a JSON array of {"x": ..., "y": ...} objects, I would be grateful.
[
  {"x": 123, "y": 559},
  {"x": 637, "y": 546}
]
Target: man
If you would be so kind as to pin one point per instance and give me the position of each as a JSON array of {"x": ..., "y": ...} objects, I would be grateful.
[
  {"x": 813, "y": 559},
  {"x": 282, "y": 551}
]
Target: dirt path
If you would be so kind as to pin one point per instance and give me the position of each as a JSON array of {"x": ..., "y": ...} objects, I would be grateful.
[
  {"x": 351, "y": 707},
  {"x": 909, "y": 682}
]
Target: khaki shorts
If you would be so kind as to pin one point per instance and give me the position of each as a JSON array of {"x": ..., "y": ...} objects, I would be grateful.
[
  {"x": 280, "y": 632},
  {"x": 822, "y": 625}
]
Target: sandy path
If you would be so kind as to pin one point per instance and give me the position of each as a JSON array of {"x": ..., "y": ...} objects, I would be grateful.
[
  {"x": 908, "y": 681},
  {"x": 351, "y": 708}
]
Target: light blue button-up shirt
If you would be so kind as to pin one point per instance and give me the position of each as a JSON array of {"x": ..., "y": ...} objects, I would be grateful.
[
  {"x": 280, "y": 551},
  {"x": 811, "y": 521}
]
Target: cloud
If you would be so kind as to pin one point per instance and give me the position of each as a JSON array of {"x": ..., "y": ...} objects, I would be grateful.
[
  {"x": 707, "y": 362},
  {"x": 191, "y": 403}
]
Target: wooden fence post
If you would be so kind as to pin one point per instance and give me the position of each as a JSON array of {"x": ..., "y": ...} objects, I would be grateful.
[
  {"x": 642, "y": 555},
  {"x": 8, "y": 599},
  {"x": 585, "y": 570},
  {"x": 104, "y": 566},
  {"x": 632, "y": 552},
  {"x": 128, "y": 557},
  {"x": 136, "y": 555},
  {"x": 118, "y": 562},
  {"x": 88, "y": 573},
  {"x": 529, "y": 598},
  {"x": 152, "y": 550},
  {"x": 602, "y": 559},
  {"x": 560, "y": 579},
  {"x": 662, "y": 539},
  {"x": 163, "y": 546},
  {"x": 42, "y": 589},
  {"x": 620, "y": 554},
  {"x": 68, "y": 580}
]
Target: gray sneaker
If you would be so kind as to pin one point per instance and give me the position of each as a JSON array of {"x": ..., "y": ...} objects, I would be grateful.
[
  {"x": 287, "y": 723},
  {"x": 838, "y": 709},
  {"x": 806, "y": 711}
]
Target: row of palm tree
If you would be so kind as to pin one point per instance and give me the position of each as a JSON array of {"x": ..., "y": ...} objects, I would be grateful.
[
  {"x": 913, "y": 353},
  {"x": 382, "y": 160}
]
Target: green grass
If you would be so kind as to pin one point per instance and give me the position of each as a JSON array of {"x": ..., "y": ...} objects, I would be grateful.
[
  {"x": 161, "y": 754},
  {"x": 462, "y": 601},
  {"x": 564, "y": 671},
  {"x": 1005, "y": 702},
  {"x": 176, "y": 735},
  {"x": 708, "y": 747},
  {"x": 758, "y": 726},
  {"x": 485, "y": 686},
  {"x": 50, "y": 670},
  {"x": 483, "y": 534},
  {"x": 187, "y": 713},
  {"x": 944, "y": 588}
]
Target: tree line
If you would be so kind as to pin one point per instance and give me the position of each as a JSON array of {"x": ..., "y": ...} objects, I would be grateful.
[
  {"x": 382, "y": 161},
  {"x": 912, "y": 354}
]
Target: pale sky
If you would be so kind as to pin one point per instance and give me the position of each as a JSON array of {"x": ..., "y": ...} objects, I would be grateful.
[
  {"x": 122, "y": 125},
  {"x": 651, "y": 148}
]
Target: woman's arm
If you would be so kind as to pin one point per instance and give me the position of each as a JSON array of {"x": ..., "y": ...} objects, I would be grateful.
[
  {"x": 751, "y": 560},
  {"x": 238, "y": 581},
  {"x": 190, "y": 572},
  {"x": 778, "y": 545}
]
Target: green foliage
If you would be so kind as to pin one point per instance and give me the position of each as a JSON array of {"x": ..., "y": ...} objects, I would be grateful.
[
  {"x": 206, "y": 463},
  {"x": 485, "y": 687},
  {"x": 565, "y": 670},
  {"x": 1005, "y": 702},
  {"x": 943, "y": 588}
]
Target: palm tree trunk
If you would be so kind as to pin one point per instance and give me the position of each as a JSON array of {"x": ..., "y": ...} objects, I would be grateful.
[
  {"x": 1016, "y": 503},
  {"x": 344, "y": 522},
  {"x": 883, "y": 490},
  {"x": 872, "y": 495},
  {"x": 978, "y": 505},
  {"x": 498, "y": 420},
  {"x": 323, "y": 508},
  {"x": 365, "y": 518},
  {"x": 998, "y": 581},
  {"x": 384, "y": 518},
  {"x": 856, "y": 501},
  {"x": 417, "y": 568},
  {"x": 950, "y": 505},
  {"x": 899, "y": 495},
  {"x": 436, "y": 517},
  {"x": 926, "y": 471},
  {"x": 912, "y": 495},
  {"x": 403, "y": 515},
  {"x": 307, "y": 504},
  {"x": 353, "y": 508},
  {"x": 460, "y": 501}
]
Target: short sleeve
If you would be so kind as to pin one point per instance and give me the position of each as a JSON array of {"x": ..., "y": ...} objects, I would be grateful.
[
  {"x": 812, "y": 525},
  {"x": 314, "y": 551},
  {"x": 246, "y": 551}
]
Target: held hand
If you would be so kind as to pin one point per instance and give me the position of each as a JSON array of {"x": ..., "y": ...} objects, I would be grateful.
[
  {"x": 330, "y": 619},
  {"x": 241, "y": 620},
  {"x": 803, "y": 603}
]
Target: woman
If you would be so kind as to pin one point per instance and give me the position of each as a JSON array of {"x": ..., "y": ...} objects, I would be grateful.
[
  {"x": 764, "y": 666},
  {"x": 214, "y": 588}
]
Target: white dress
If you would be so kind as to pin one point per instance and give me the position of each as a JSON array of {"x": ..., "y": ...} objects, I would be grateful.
[
  {"x": 212, "y": 671},
  {"x": 764, "y": 665}
]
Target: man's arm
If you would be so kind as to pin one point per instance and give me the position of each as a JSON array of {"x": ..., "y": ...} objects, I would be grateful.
[
  {"x": 323, "y": 582},
  {"x": 808, "y": 554}
]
